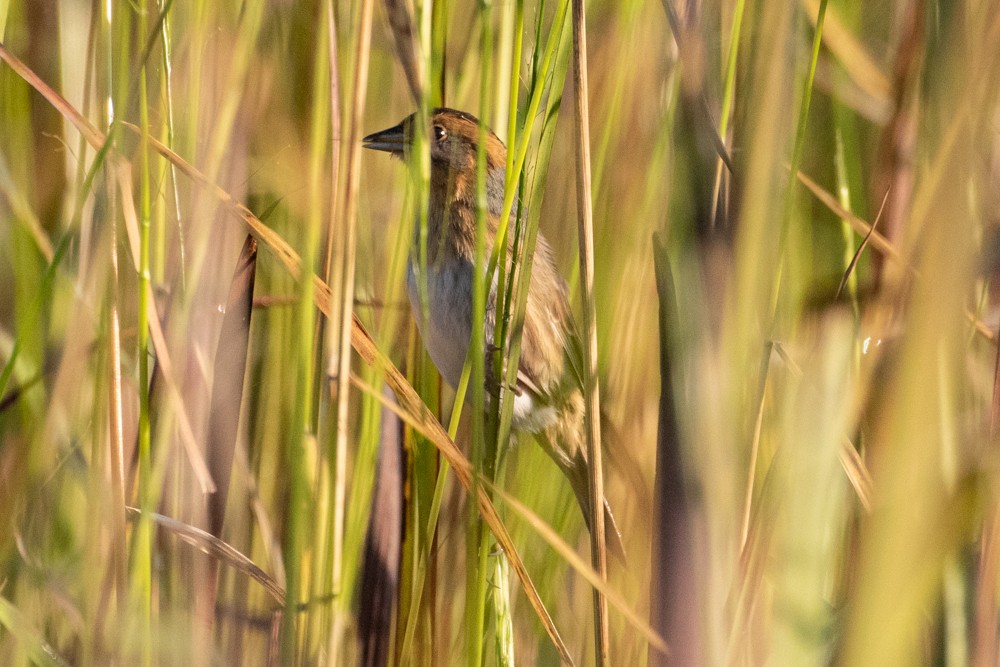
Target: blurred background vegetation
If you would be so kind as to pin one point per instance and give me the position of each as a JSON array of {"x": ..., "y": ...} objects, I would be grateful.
[{"x": 817, "y": 482}]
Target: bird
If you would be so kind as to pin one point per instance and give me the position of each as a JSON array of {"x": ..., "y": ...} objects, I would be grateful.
[{"x": 548, "y": 396}]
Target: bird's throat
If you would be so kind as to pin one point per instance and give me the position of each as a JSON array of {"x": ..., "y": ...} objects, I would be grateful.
[{"x": 453, "y": 213}]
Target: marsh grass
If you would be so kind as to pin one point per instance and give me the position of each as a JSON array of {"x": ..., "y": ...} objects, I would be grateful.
[{"x": 833, "y": 436}]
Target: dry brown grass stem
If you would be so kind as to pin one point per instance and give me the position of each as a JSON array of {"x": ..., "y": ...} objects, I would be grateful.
[
  {"x": 591, "y": 391},
  {"x": 219, "y": 551}
]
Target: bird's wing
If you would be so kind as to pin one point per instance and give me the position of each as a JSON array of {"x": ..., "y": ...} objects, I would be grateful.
[
  {"x": 574, "y": 353},
  {"x": 550, "y": 393}
]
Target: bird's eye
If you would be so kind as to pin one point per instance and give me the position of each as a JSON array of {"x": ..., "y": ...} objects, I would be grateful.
[{"x": 440, "y": 134}]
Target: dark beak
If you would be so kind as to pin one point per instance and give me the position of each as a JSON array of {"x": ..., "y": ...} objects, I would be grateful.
[{"x": 392, "y": 140}]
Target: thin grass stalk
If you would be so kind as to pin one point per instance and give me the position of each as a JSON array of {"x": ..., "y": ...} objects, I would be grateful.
[
  {"x": 414, "y": 553},
  {"x": 222, "y": 552},
  {"x": 27, "y": 252},
  {"x": 302, "y": 439},
  {"x": 535, "y": 64},
  {"x": 512, "y": 70},
  {"x": 765, "y": 367},
  {"x": 507, "y": 365},
  {"x": 504, "y": 620},
  {"x": 497, "y": 441},
  {"x": 298, "y": 495},
  {"x": 426, "y": 467},
  {"x": 116, "y": 441},
  {"x": 332, "y": 65},
  {"x": 105, "y": 548},
  {"x": 115, "y": 39},
  {"x": 417, "y": 544},
  {"x": 144, "y": 285},
  {"x": 419, "y": 168},
  {"x": 844, "y": 196},
  {"x": 326, "y": 544},
  {"x": 438, "y": 52},
  {"x": 519, "y": 293},
  {"x": 728, "y": 94},
  {"x": 343, "y": 351},
  {"x": 91, "y": 92},
  {"x": 169, "y": 137},
  {"x": 400, "y": 20},
  {"x": 506, "y": 64},
  {"x": 846, "y": 167},
  {"x": 483, "y": 444},
  {"x": 591, "y": 392},
  {"x": 732, "y": 58},
  {"x": 110, "y": 556},
  {"x": 315, "y": 627},
  {"x": 953, "y": 598},
  {"x": 433, "y": 50}
]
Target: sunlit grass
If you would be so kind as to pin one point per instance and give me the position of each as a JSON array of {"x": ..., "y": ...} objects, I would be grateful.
[{"x": 837, "y": 478}]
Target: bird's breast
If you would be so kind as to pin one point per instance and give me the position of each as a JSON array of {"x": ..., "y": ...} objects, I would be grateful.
[{"x": 441, "y": 299}]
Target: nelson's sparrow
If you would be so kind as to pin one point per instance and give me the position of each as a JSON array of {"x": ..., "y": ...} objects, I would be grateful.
[{"x": 548, "y": 400}]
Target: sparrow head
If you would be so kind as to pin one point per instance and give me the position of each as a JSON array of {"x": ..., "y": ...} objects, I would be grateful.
[{"x": 453, "y": 137}]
